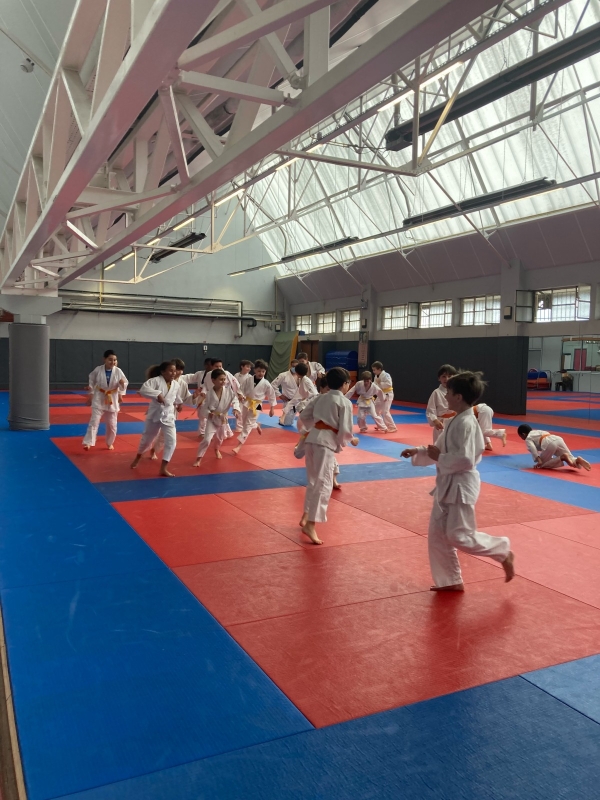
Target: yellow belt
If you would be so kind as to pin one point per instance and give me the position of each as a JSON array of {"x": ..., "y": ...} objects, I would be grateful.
[
  {"x": 387, "y": 391},
  {"x": 253, "y": 405},
  {"x": 108, "y": 393}
]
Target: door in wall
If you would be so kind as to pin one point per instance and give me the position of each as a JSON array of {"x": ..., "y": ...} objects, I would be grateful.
[{"x": 311, "y": 348}]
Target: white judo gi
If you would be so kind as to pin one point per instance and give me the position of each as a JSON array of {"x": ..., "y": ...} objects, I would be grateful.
[
  {"x": 549, "y": 448},
  {"x": 304, "y": 391},
  {"x": 254, "y": 394},
  {"x": 214, "y": 410},
  {"x": 484, "y": 416},
  {"x": 384, "y": 407},
  {"x": 329, "y": 420},
  {"x": 187, "y": 399},
  {"x": 106, "y": 401},
  {"x": 161, "y": 416},
  {"x": 286, "y": 385},
  {"x": 205, "y": 386},
  {"x": 437, "y": 408},
  {"x": 452, "y": 525},
  {"x": 367, "y": 398}
]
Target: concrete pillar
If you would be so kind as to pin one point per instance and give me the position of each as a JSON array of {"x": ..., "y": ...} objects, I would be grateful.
[{"x": 29, "y": 360}]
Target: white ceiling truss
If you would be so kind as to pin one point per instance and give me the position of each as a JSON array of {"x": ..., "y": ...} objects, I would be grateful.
[{"x": 146, "y": 127}]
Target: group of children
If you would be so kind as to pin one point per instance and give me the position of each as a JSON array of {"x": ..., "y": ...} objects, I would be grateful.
[{"x": 462, "y": 430}]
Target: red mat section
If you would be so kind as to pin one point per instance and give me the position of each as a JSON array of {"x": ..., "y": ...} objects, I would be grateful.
[
  {"x": 557, "y": 405},
  {"x": 282, "y": 509},
  {"x": 244, "y": 590},
  {"x": 281, "y": 456},
  {"x": 340, "y": 663},
  {"x": 584, "y": 529},
  {"x": 574, "y": 475},
  {"x": 561, "y": 564},
  {"x": 193, "y": 530}
]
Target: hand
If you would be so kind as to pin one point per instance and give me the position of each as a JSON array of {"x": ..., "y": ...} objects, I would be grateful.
[
  {"x": 88, "y": 400},
  {"x": 179, "y": 406},
  {"x": 122, "y": 383},
  {"x": 160, "y": 399},
  {"x": 438, "y": 425},
  {"x": 237, "y": 414},
  {"x": 409, "y": 452},
  {"x": 354, "y": 441},
  {"x": 272, "y": 411},
  {"x": 538, "y": 463},
  {"x": 433, "y": 452}
]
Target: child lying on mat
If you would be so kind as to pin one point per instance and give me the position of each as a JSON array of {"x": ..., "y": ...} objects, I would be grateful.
[{"x": 549, "y": 451}]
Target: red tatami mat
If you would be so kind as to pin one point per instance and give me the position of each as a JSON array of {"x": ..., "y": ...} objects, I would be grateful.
[
  {"x": 249, "y": 589},
  {"x": 574, "y": 475},
  {"x": 584, "y": 529},
  {"x": 281, "y": 509},
  {"x": 281, "y": 456},
  {"x": 193, "y": 530},
  {"x": 561, "y": 564}
]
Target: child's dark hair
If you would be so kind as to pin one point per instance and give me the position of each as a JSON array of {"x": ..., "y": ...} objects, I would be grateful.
[
  {"x": 293, "y": 361},
  {"x": 366, "y": 376},
  {"x": 179, "y": 363},
  {"x": 246, "y": 363},
  {"x": 156, "y": 370},
  {"x": 337, "y": 377},
  {"x": 468, "y": 384},
  {"x": 260, "y": 364},
  {"x": 216, "y": 373},
  {"x": 207, "y": 360},
  {"x": 302, "y": 355},
  {"x": 447, "y": 369},
  {"x": 214, "y": 361},
  {"x": 301, "y": 369},
  {"x": 377, "y": 365},
  {"x": 524, "y": 431},
  {"x": 108, "y": 353},
  {"x": 322, "y": 383}
]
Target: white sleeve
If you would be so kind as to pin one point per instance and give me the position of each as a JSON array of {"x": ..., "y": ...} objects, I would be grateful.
[
  {"x": 378, "y": 392},
  {"x": 462, "y": 444},
  {"x": 276, "y": 382},
  {"x": 311, "y": 388},
  {"x": 431, "y": 410},
  {"x": 123, "y": 389},
  {"x": 272, "y": 395},
  {"x": 235, "y": 404},
  {"x": 306, "y": 415},
  {"x": 148, "y": 389},
  {"x": 346, "y": 423},
  {"x": 92, "y": 381},
  {"x": 532, "y": 448},
  {"x": 350, "y": 392},
  {"x": 421, "y": 459}
]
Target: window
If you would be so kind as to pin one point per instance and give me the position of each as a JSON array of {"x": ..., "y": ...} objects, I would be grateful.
[
  {"x": 394, "y": 318},
  {"x": 303, "y": 323},
  {"x": 435, "y": 315},
  {"x": 326, "y": 323},
  {"x": 480, "y": 310},
  {"x": 351, "y": 320},
  {"x": 562, "y": 305}
]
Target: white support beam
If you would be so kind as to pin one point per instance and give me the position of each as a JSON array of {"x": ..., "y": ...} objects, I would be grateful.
[
  {"x": 229, "y": 88},
  {"x": 346, "y": 162},
  {"x": 271, "y": 43},
  {"x": 272, "y": 19},
  {"x": 400, "y": 41},
  {"x": 112, "y": 48},
  {"x": 261, "y": 73},
  {"x": 79, "y": 99},
  {"x": 207, "y": 137},
  {"x": 60, "y": 135},
  {"x": 167, "y": 100},
  {"x": 316, "y": 45},
  {"x": 139, "y": 11},
  {"x": 83, "y": 237}
]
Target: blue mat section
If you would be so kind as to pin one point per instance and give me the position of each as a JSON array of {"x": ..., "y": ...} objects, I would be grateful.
[
  {"x": 576, "y": 683},
  {"x": 502, "y": 741},
  {"x": 538, "y": 485}
]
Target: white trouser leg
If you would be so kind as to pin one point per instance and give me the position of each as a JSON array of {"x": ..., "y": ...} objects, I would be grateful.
[
  {"x": 319, "y": 474},
  {"x": 248, "y": 424},
  {"x": 453, "y": 527},
  {"x": 553, "y": 448},
  {"x": 494, "y": 433},
  {"x": 212, "y": 430},
  {"x": 110, "y": 420},
  {"x": 92, "y": 431},
  {"x": 377, "y": 416},
  {"x": 361, "y": 418},
  {"x": 287, "y": 418},
  {"x": 159, "y": 442},
  {"x": 436, "y": 435},
  {"x": 383, "y": 408},
  {"x": 336, "y": 467},
  {"x": 151, "y": 430},
  {"x": 170, "y": 439}
]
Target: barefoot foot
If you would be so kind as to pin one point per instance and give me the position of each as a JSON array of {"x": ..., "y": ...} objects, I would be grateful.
[
  {"x": 508, "y": 565},
  {"x": 259, "y": 430},
  {"x": 309, "y": 530},
  {"x": 110, "y": 447},
  {"x": 236, "y": 450},
  {"x": 504, "y": 438},
  {"x": 86, "y": 446},
  {"x": 135, "y": 461},
  {"x": 304, "y": 520},
  {"x": 218, "y": 454},
  {"x": 581, "y": 462},
  {"x": 489, "y": 446},
  {"x": 164, "y": 473},
  {"x": 456, "y": 587},
  {"x": 197, "y": 462},
  {"x": 336, "y": 485}
]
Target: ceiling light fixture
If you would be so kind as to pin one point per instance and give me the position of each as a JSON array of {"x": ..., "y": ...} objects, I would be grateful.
[
  {"x": 227, "y": 197},
  {"x": 184, "y": 223},
  {"x": 129, "y": 255}
]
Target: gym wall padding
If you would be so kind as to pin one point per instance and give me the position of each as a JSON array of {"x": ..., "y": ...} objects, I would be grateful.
[{"x": 413, "y": 364}]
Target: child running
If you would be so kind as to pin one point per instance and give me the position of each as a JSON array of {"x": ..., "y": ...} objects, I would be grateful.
[
  {"x": 383, "y": 407},
  {"x": 368, "y": 394},
  {"x": 186, "y": 399},
  {"x": 107, "y": 384},
  {"x": 437, "y": 411},
  {"x": 305, "y": 389},
  {"x": 550, "y": 451},
  {"x": 165, "y": 394},
  {"x": 452, "y": 525},
  {"x": 300, "y": 449},
  {"x": 286, "y": 383},
  {"x": 484, "y": 416},
  {"x": 315, "y": 370},
  {"x": 329, "y": 419},
  {"x": 206, "y": 386},
  {"x": 256, "y": 390},
  {"x": 246, "y": 368},
  {"x": 215, "y": 409}
]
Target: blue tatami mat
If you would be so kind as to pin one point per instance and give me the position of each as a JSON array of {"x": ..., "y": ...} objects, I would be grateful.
[
  {"x": 124, "y": 675},
  {"x": 535, "y": 483},
  {"x": 576, "y": 683},
  {"x": 502, "y": 741}
]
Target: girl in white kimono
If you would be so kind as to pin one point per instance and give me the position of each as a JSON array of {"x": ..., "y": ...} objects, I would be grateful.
[
  {"x": 165, "y": 393},
  {"x": 205, "y": 386},
  {"x": 106, "y": 386},
  {"x": 215, "y": 409},
  {"x": 329, "y": 420},
  {"x": 256, "y": 390},
  {"x": 368, "y": 395},
  {"x": 452, "y": 525},
  {"x": 437, "y": 411},
  {"x": 186, "y": 399},
  {"x": 383, "y": 407}
]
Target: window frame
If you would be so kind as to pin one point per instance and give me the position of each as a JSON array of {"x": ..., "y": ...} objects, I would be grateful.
[
  {"x": 447, "y": 314},
  {"x": 320, "y": 321},
  {"x": 561, "y": 292},
  {"x": 307, "y": 330},
  {"x": 349, "y": 311},
  {"x": 486, "y": 311}
]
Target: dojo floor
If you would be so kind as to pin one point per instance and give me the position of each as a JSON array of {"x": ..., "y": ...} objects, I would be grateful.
[{"x": 181, "y": 638}]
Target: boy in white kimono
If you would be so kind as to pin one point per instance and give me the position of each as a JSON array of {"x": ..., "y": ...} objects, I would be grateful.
[
  {"x": 305, "y": 390},
  {"x": 215, "y": 410},
  {"x": 246, "y": 368},
  {"x": 107, "y": 384},
  {"x": 368, "y": 394},
  {"x": 286, "y": 383},
  {"x": 315, "y": 370},
  {"x": 205, "y": 386},
  {"x": 484, "y": 416},
  {"x": 165, "y": 393},
  {"x": 256, "y": 390},
  {"x": 300, "y": 449},
  {"x": 329, "y": 418},
  {"x": 437, "y": 410},
  {"x": 452, "y": 525},
  {"x": 186, "y": 399},
  {"x": 383, "y": 408},
  {"x": 550, "y": 451}
]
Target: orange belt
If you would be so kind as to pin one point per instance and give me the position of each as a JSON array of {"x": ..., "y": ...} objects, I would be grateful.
[
  {"x": 476, "y": 411},
  {"x": 108, "y": 401},
  {"x": 448, "y": 415},
  {"x": 544, "y": 436},
  {"x": 323, "y": 426}
]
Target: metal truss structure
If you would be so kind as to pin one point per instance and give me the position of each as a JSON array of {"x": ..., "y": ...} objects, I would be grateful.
[{"x": 160, "y": 111}]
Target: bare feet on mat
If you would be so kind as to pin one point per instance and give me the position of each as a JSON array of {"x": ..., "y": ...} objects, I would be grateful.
[
  {"x": 153, "y": 456},
  {"x": 304, "y": 520},
  {"x": 581, "y": 462},
  {"x": 336, "y": 485},
  {"x": 135, "y": 461},
  {"x": 218, "y": 454},
  {"x": 392, "y": 430},
  {"x": 110, "y": 447},
  {"x": 86, "y": 446},
  {"x": 236, "y": 450},
  {"x": 197, "y": 462},
  {"x": 504, "y": 438},
  {"x": 259, "y": 430},
  {"x": 456, "y": 587},
  {"x": 164, "y": 473},
  {"x": 309, "y": 530},
  {"x": 508, "y": 565},
  {"x": 489, "y": 446}
]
